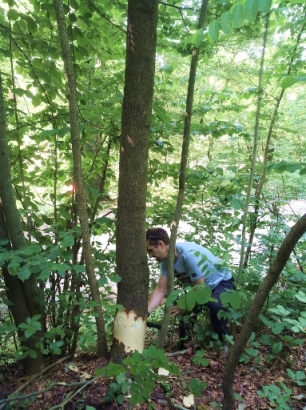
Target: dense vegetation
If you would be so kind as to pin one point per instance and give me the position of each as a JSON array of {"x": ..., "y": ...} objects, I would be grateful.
[{"x": 246, "y": 165}]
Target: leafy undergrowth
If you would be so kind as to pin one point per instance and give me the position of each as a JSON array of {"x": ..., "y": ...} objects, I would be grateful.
[{"x": 69, "y": 384}]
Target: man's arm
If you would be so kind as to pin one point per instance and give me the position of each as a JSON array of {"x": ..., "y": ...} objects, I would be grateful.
[
  {"x": 158, "y": 293},
  {"x": 198, "y": 281}
]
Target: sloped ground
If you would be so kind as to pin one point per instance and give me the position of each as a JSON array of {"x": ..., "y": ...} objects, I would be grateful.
[{"x": 67, "y": 378}]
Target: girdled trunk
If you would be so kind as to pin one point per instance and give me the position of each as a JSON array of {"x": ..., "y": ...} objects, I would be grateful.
[{"x": 129, "y": 326}]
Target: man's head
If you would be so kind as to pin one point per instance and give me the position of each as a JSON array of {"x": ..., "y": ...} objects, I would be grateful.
[{"x": 157, "y": 241}]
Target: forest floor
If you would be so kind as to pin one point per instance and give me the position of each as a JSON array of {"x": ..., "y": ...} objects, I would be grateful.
[{"x": 71, "y": 382}]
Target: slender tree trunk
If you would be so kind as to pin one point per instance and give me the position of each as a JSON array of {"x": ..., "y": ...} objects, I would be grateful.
[
  {"x": 130, "y": 323},
  {"x": 78, "y": 177},
  {"x": 254, "y": 153},
  {"x": 182, "y": 176},
  {"x": 268, "y": 154},
  {"x": 23, "y": 295},
  {"x": 270, "y": 280}
]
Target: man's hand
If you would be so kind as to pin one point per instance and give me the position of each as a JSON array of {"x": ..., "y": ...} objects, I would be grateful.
[{"x": 175, "y": 310}]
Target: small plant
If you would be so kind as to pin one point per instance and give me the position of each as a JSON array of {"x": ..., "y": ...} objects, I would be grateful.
[
  {"x": 299, "y": 377},
  {"x": 277, "y": 396},
  {"x": 117, "y": 389},
  {"x": 251, "y": 351},
  {"x": 137, "y": 375}
]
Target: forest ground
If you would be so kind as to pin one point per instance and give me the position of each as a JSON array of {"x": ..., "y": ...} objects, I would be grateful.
[{"x": 249, "y": 378}]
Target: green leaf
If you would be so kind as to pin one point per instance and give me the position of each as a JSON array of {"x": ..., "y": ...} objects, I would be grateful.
[
  {"x": 32, "y": 353},
  {"x": 32, "y": 249},
  {"x": 197, "y": 386},
  {"x": 181, "y": 302},
  {"x": 24, "y": 273},
  {"x": 60, "y": 131},
  {"x": 302, "y": 171},
  {"x": 173, "y": 296},
  {"x": 301, "y": 296},
  {"x": 265, "y": 339},
  {"x": 277, "y": 347},
  {"x": 251, "y": 10},
  {"x": 202, "y": 294},
  {"x": 231, "y": 298},
  {"x": 252, "y": 352},
  {"x": 4, "y": 52},
  {"x": 112, "y": 369},
  {"x": 226, "y": 22},
  {"x": 264, "y": 5},
  {"x": 191, "y": 299},
  {"x": 44, "y": 274},
  {"x": 238, "y": 15},
  {"x": 289, "y": 81},
  {"x": 197, "y": 38},
  {"x": 213, "y": 30},
  {"x": 291, "y": 374}
]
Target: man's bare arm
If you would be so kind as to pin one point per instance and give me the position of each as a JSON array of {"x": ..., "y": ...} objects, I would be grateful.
[{"x": 158, "y": 294}]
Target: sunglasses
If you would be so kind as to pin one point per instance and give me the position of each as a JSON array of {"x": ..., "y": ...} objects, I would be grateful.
[{"x": 152, "y": 236}]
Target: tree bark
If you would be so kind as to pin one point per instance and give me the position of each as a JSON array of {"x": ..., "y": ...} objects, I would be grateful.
[
  {"x": 131, "y": 258},
  {"x": 23, "y": 295},
  {"x": 270, "y": 280},
  {"x": 78, "y": 177}
]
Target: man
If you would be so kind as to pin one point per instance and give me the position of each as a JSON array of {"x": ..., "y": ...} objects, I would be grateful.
[{"x": 188, "y": 270}]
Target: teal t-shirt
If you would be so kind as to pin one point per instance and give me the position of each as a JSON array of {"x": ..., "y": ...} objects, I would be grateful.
[{"x": 194, "y": 262}]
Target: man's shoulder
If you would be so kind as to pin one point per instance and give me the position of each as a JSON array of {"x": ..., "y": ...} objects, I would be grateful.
[{"x": 187, "y": 247}]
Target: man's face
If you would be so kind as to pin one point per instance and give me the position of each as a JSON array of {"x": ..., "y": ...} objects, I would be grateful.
[{"x": 159, "y": 252}]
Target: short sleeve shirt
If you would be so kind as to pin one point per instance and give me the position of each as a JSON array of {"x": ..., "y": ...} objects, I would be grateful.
[{"x": 195, "y": 262}]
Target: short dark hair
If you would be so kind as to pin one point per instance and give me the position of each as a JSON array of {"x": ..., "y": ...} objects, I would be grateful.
[{"x": 154, "y": 235}]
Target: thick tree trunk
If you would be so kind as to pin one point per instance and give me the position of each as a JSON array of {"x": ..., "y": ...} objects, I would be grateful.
[
  {"x": 78, "y": 177},
  {"x": 23, "y": 295},
  {"x": 130, "y": 323},
  {"x": 270, "y": 280}
]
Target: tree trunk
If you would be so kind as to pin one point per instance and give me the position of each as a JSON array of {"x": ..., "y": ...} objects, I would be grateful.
[
  {"x": 182, "y": 176},
  {"x": 130, "y": 323},
  {"x": 273, "y": 274},
  {"x": 78, "y": 177},
  {"x": 268, "y": 153},
  {"x": 23, "y": 295}
]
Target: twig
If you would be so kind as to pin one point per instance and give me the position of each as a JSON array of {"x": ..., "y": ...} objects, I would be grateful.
[
  {"x": 69, "y": 397},
  {"x": 37, "y": 393},
  {"x": 189, "y": 350},
  {"x": 35, "y": 376}
]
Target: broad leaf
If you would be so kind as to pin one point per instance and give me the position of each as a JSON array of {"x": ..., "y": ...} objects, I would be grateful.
[
  {"x": 24, "y": 273},
  {"x": 191, "y": 299},
  {"x": 251, "y": 10},
  {"x": 264, "y": 5},
  {"x": 289, "y": 81},
  {"x": 277, "y": 347},
  {"x": 213, "y": 30},
  {"x": 238, "y": 15},
  {"x": 197, "y": 38},
  {"x": 226, "y": 23}
]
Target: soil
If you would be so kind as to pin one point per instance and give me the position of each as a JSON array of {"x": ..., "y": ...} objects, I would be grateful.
[{"x": 60, "y": 383}]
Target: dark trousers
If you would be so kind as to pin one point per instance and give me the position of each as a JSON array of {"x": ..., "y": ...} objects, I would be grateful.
[{"x": 219, "y": 325}]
